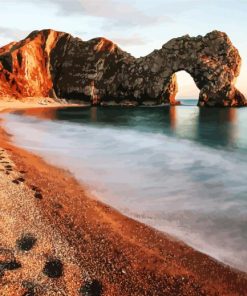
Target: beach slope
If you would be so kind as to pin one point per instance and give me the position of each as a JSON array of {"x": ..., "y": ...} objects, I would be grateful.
[{"x": 57, "y": 240}]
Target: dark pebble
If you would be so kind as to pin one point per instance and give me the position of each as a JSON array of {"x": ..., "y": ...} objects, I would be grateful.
[
  {"x": 29, "y": 293},
  {"x": 53, "y": 268},
  {"x": 12, "y": 265},
  {"x": 91, "y": 288},
  {"x": 26, "y": 243},
  {"x": 21, "y": 180},
  {"x": 38, "y": 195},
  {"x": 57, "y": 206},
  {"x": 16, "y": 182},
  {"x": 35, "y": 188},
  {"x": 30, "y": 288}
]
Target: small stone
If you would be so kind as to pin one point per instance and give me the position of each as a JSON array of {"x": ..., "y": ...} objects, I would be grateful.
[
  {"x": 21, "y": 180},
  {"x": 11, "y": 265},
  {"x": 38, "y": 195},
  {"x": 26, "y": 243},
  {"x": 53, "y": 268},
  {"x": 30, "y": 288},
  {"x": 91, "y": 288},
  {"x": 29, "y": 293},
  {"x": 16, "y": 182}
]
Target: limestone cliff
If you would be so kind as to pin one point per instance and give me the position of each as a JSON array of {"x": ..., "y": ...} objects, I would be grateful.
[{"x": 50, "y": 63}]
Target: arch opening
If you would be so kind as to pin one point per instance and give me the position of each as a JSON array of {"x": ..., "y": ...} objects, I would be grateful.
[{"x": 187, "y": 88}]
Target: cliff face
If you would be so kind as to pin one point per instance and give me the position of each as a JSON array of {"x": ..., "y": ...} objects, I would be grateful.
[
  {"x": 55, "y": 64},
  {"x": 25, "y": 66}
]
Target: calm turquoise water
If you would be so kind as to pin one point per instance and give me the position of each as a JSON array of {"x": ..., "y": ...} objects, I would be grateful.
[{"x": 182, "y": 170}]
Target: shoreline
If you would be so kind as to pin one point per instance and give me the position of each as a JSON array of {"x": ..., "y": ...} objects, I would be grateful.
[
  {"x": 125, "y": 256},
  {"x": 10, "y": 104}
]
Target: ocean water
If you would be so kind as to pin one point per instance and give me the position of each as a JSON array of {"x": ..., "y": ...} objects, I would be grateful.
[{"x": 182, "y": 170}]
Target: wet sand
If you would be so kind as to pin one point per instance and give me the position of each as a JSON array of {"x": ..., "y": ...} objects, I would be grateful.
[{"x": 55, "y": 239}]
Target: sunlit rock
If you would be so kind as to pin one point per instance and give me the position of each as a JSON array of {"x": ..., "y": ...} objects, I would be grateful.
[{"x": 55, "y": 64}]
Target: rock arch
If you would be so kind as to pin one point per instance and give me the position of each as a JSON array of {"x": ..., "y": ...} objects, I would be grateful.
[
  {"x": 50, "y": 63},
  {"x": 212, "y": 61}
]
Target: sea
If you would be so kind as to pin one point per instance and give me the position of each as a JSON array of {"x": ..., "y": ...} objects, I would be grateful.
[{"x": 180, "y": 169}]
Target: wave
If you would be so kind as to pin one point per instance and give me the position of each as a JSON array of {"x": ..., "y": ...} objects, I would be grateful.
[{"x": 194, "y": 192}]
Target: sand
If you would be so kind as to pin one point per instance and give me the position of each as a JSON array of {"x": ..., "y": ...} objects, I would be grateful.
[
  {"x": 27, "y": 103},
  {"x": 55, "y": 239}
]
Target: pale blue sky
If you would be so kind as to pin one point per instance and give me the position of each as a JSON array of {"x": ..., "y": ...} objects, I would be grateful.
[{"x": 138, "y": 26}]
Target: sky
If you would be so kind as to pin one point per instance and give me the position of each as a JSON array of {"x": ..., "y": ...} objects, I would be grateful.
[{"x": 137, "y": 26}]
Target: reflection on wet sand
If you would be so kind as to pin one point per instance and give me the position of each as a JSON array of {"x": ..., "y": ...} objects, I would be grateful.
[
  {"x": 93, "y": 113},
  {"x": 173, "y": 117},
  {"x": 41, "y": 113}
]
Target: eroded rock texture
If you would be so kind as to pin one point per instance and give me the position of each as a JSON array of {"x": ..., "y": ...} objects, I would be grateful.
[
  {"x": 25, "y": 66},
  {"x": 49, "y": 63}
]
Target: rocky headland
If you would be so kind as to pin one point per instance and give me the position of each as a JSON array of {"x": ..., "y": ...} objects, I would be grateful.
[{"x": 57, "y": 65}]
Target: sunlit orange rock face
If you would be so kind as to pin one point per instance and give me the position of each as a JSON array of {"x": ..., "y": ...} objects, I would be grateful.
[
  {"x": 25, "y": 65},
  {"x": 55, "y": 64}
]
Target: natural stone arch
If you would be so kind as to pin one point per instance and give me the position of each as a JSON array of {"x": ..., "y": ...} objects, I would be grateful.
[
  {"x": 212, "y": 61},
  {"x": 50, "y": 63}
]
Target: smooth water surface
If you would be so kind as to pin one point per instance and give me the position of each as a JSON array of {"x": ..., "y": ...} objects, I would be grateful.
[{"x": 182, "y": 170}]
